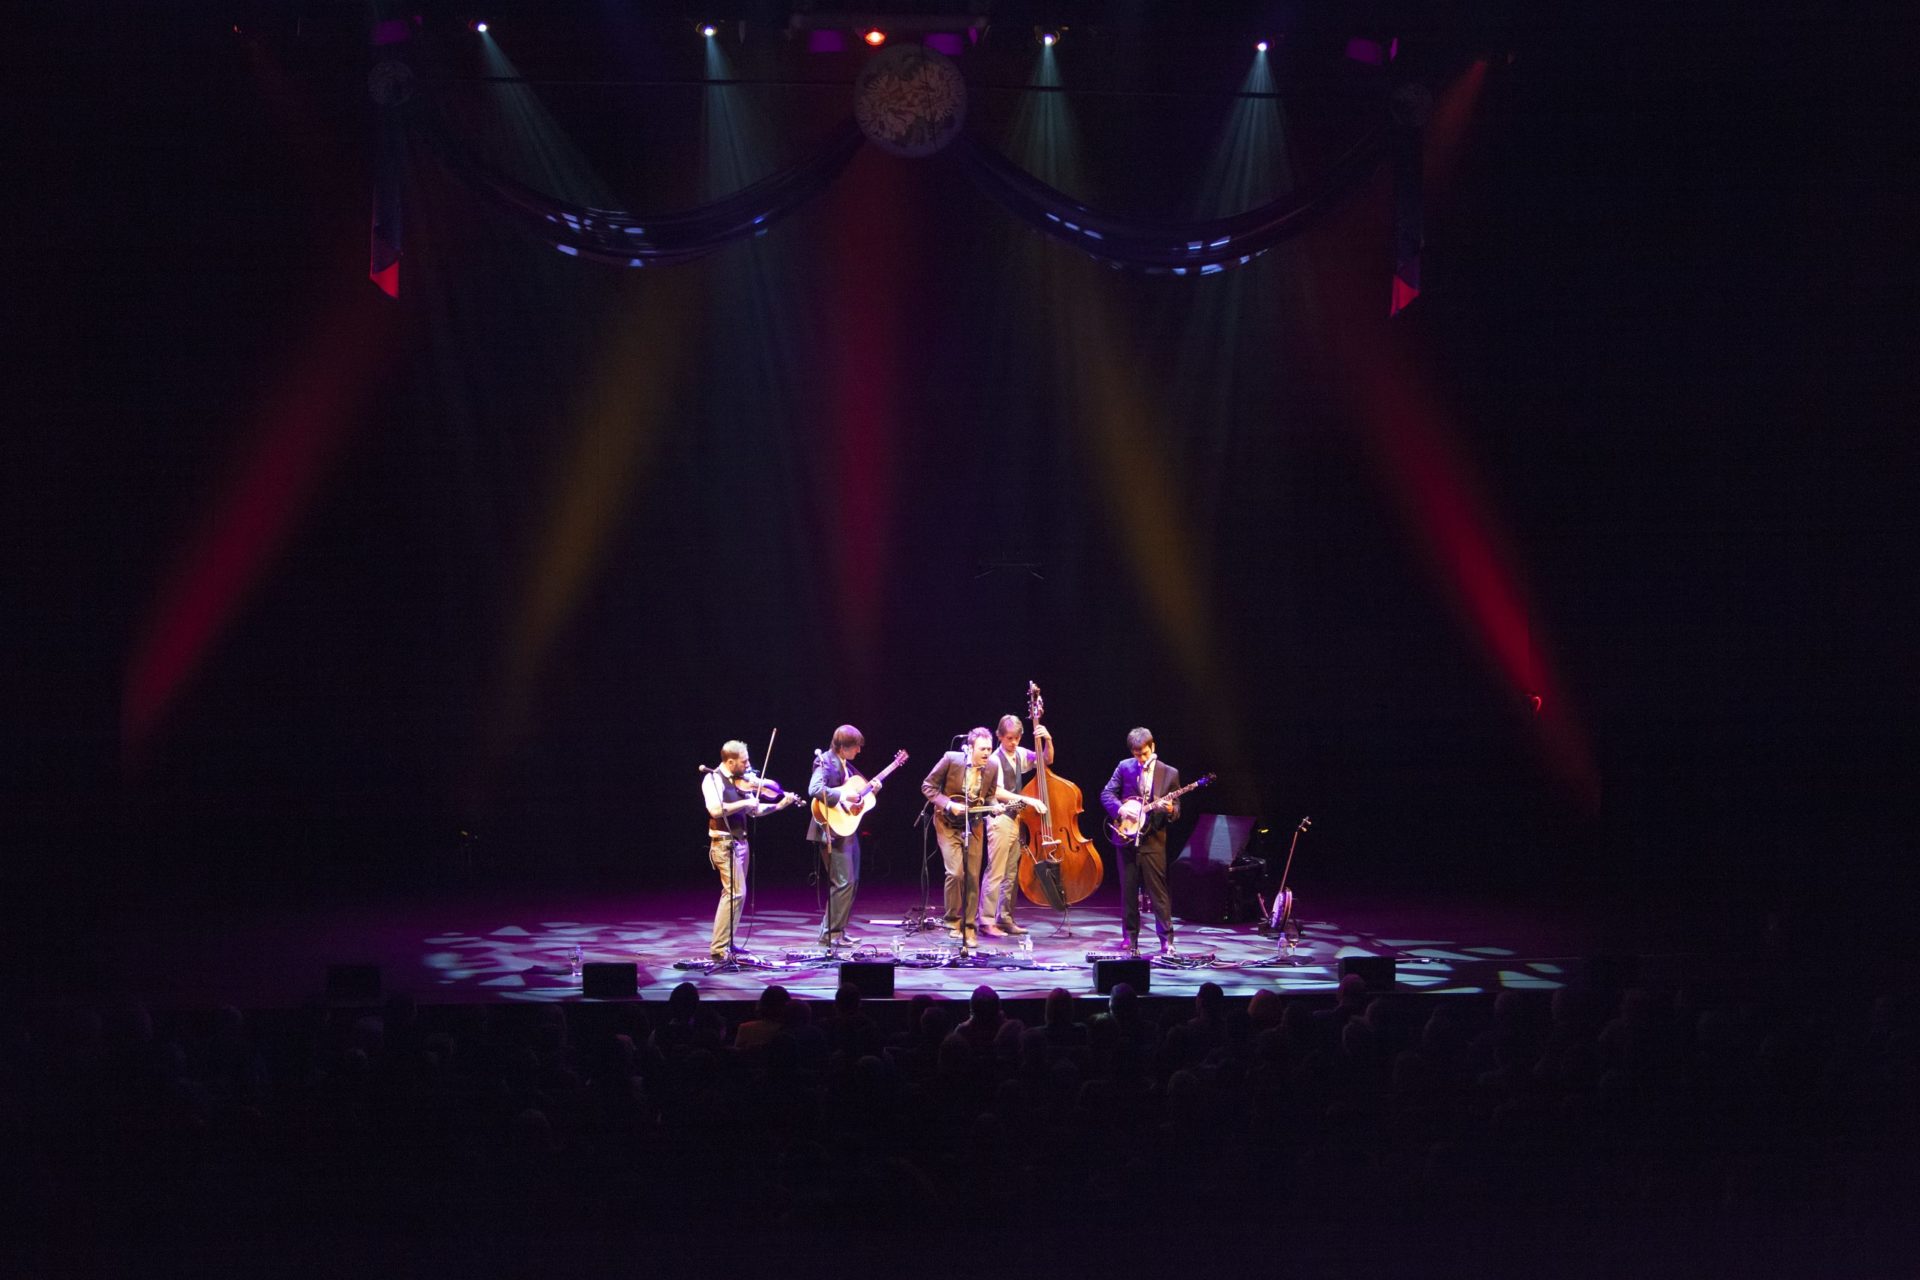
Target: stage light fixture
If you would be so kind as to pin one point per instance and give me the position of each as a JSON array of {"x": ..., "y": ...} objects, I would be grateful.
[
  {"x": 709, "y": 31},
  {"x": 1049, "y": 38},
  {"x": 875, "y": 36},
  {"x": 1261, "y": 47},
  {"x": 480, "y": 25}
]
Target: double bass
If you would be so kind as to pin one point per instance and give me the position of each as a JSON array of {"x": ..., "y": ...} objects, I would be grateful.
[{"x": 1058, "y": 866}]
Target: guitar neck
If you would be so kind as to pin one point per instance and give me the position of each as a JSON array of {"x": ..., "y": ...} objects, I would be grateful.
[{"x": 881, "y": 776}]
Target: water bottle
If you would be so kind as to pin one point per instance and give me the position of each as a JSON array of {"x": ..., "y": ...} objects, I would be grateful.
[
  {"x": 579, "y": 958},
  {"x": 896, "y": 948},
  {"x": 1026, "y": 945}
]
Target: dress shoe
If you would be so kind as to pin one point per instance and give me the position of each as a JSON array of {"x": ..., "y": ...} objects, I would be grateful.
[
  {"x": 1011, "y": 929},
  {"x": 954, "y": 930},
  {"x": 1130, "y": 945},
  {"x": 993, "y": 931},
  {"x": 846, "y": 940}
]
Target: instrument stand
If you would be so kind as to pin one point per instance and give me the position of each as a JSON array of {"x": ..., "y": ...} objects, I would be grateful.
[
  {"x": 1063, "y": 928},
  {"x": 1291, "y": 951}
]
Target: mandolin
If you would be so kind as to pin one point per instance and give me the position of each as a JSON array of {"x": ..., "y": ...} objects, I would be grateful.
[{"x": 856, "y": 800}]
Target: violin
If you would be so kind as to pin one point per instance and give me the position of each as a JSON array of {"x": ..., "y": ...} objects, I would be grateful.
[
  {"x": 749, "y": 781},
  {"x": 766, "y": 788}
]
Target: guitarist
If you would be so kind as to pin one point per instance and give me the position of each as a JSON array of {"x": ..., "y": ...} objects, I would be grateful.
[
  {"x": 833, "y": 779},
  {"x": 1143, "y": 777}
]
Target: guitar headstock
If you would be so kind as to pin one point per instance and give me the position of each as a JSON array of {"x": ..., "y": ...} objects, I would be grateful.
[
  {"x": 1035, "y": 706},
  {"x": 899, "y": 758}
]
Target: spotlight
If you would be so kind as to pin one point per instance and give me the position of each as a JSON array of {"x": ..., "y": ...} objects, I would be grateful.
[
  {"x": 709, "y": 31},
  {"x": 480, "y": 25},
  {"x": 1261, "y": 47},
  {"x": 1049, "y": 38},
  {"x": 875, "y": 37}
]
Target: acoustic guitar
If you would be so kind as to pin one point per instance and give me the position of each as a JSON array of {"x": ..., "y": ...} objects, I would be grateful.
[{"x": 856, "y": 800}]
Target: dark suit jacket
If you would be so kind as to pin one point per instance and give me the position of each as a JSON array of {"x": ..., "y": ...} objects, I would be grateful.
[
  {"x": 948, "y": 778},
  {"x": 829, "y": 776},
  {"x": 1124, "y": 785}
]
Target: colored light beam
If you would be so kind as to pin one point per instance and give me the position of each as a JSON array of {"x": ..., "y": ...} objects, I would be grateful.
[
  {"x": 1414, "y": 443},
  {"x": 1447, "y": 129},
  {"x": 302, "y": 427},
  {"x": 1122, "y": 431},
  {"x": 593, "y": 486},
  {"x": 858, "y": 476}
]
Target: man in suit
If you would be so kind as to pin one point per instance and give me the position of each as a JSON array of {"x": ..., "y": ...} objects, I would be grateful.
[
  {"x": 1137, "y": 785},
  {"x": 960, "y": 786},
  {"x": 832, "y": 778}
]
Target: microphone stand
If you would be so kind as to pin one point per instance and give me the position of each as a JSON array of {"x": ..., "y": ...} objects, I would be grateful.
[{"x": 918, "y": 919}]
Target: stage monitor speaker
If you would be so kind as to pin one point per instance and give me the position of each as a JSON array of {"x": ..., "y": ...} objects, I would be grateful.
[
  {"x": 1136, "y": 973},
  {"x": 610, "y": 980},
  {"x": 1376, "y": 970},
  {"x": 353, "y": 983},
  {"x": 872, "y": 979}
]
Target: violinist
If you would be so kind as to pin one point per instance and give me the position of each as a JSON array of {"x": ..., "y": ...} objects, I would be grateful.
[
  {"x": 735, "y": 795},
  {"x": 1014, "y": 764}
]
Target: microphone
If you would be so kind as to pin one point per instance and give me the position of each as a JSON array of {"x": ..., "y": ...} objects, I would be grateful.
[{"x": 707, "y": 768}]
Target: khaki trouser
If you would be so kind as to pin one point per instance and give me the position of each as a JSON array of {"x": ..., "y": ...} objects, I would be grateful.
[
  {"x": 1003, "y": 871},
  {"x": 729, "y": 858}
]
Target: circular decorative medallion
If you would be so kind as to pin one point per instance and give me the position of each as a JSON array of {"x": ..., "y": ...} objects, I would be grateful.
[
  {"x": 390, "y": 83},
  {"x": 910, "y": 101}
]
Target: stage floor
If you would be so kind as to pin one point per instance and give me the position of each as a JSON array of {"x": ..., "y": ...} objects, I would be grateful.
[{"x": 501, "y": 945}]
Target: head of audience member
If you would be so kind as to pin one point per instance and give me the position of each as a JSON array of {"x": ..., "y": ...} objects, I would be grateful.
[
  {"x": 1210, "y": 1002},
  {"x": 1352, "y": 993},
  {"x": 1059, "y": 1008},
  {"x": 983, "y": 1006},
  {"x": 683, "y": 1002}
]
